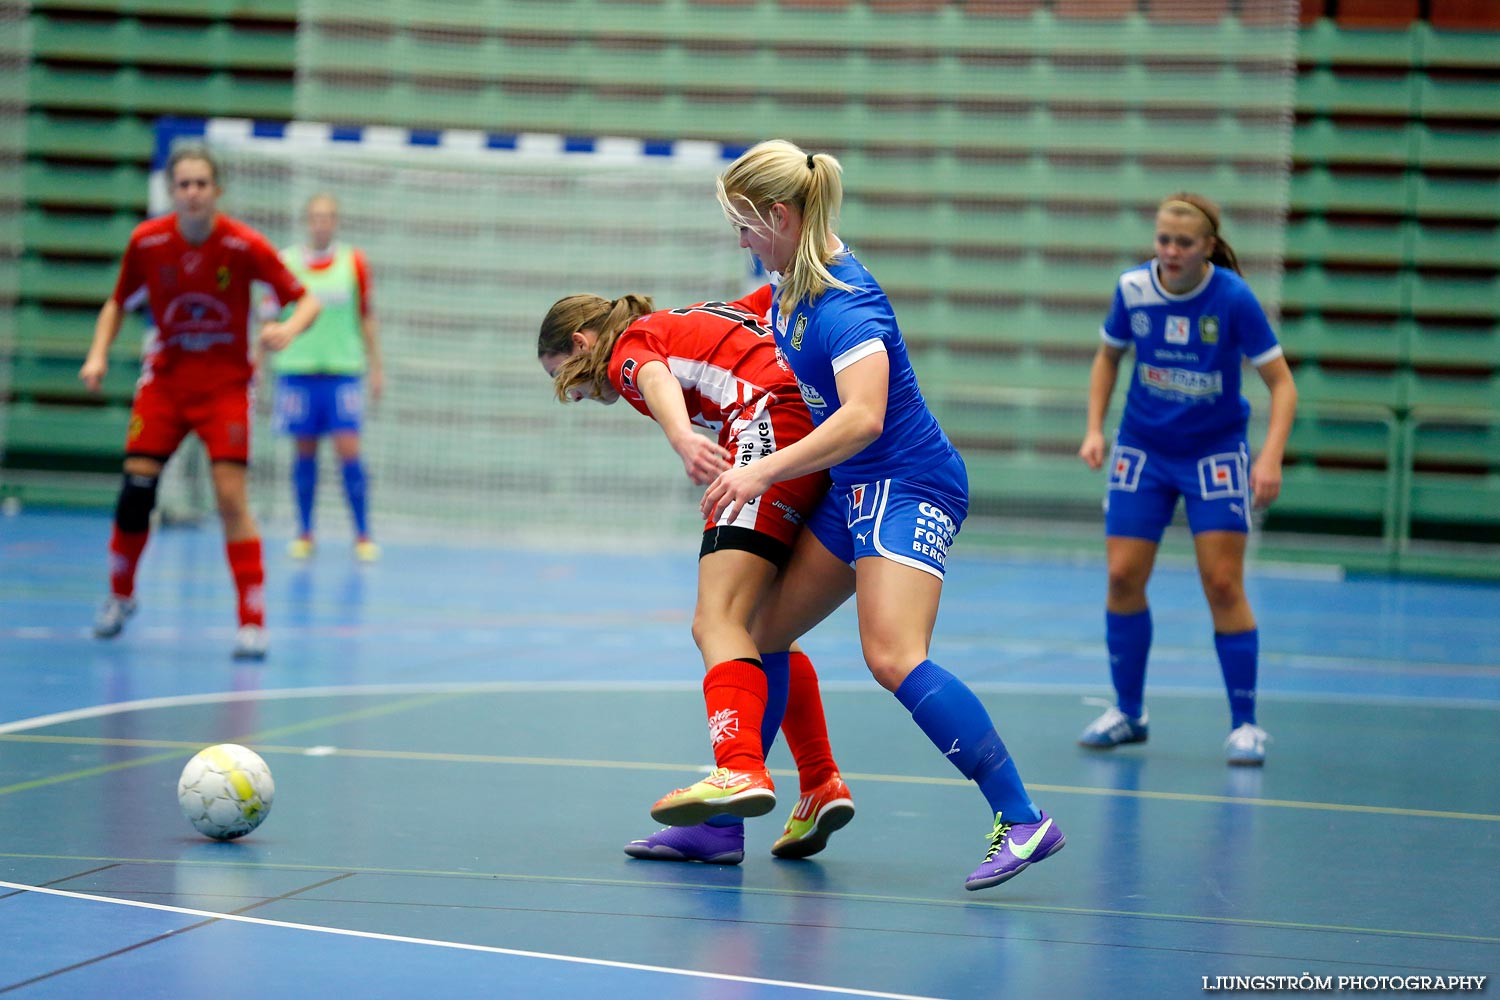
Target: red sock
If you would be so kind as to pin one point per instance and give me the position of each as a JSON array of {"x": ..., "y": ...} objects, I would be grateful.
[
  {"x": 249, "y": 579},
  {"x": 125, "y": 548},
  {"x": 805, "y": 727},
  {"x": 735, "y": 694}
]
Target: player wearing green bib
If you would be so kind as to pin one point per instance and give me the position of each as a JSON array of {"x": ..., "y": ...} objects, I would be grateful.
[{"x": 319, "y": 384}]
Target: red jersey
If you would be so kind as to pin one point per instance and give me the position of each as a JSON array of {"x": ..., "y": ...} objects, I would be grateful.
[
  {"x": 199, "y": 295},
  {"x": 721, "y": 353}
]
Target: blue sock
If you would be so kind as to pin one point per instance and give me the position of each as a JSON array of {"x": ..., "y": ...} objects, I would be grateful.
[
  {"x": 778, "y": 670},
  {"x": 1129, "y": 640},
  {"x": 1238, "y": 654},
  {"x": 958, "y": 725},
  {"x": 354, "y": 489},
  {"x": 305, "y": 487}
]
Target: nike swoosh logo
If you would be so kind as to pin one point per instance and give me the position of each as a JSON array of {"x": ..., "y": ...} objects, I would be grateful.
[{"x": 1023, "y": 851}]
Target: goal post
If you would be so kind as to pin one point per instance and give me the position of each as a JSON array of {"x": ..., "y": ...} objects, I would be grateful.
[{"x": 471, "y": 236}]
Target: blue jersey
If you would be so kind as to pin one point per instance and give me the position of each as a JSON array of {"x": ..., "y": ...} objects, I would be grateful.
[
  {"x": 1185, "y": 387},
  {"x": 822, "y": 338}
]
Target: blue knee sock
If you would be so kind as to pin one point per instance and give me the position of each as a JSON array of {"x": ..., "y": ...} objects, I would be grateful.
[
  {"x": 305, "y": 487},
  {"x": 958, "y": 725},
  {"x": 778, "y": 681},
  {"x": 354, "y": 489},
  {"x": 1238, "y": 655},
  {"x": 1129, "y": 640}
]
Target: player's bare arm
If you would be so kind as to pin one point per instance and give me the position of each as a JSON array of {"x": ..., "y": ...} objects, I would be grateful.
[
  {"x": 864, "y": 388},
  {"x": 702, "y": 458},
  {"x": 1102, "y": 377},
  {"x": 1265, "y": 474},
  {"x": 106, "y": 328},
  {"x": 369, "y": 327},
  {"x": 278, "y": 334}
]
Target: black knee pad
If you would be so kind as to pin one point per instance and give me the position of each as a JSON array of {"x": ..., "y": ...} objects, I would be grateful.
[{"x": 137, "y": 499}]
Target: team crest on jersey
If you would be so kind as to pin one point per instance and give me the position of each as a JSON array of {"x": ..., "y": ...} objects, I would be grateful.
[
  {"x": 136, "y": 426},
  {"x": 1208, "y": 329},
  {"x": 1222, "y": 476},
  {"x": 797, "y": 332},
  {"x": 627, "y": 379},
  {"x": 1125, "y": 465},
  {"x": 863, "y": 502},
  {"x": 1179, "y": 329},
  {"x": 221, "y": 278},
  {"x": 1140, "y": 324}
]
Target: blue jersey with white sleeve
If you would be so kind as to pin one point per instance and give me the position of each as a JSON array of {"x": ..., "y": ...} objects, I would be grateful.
[
  {"x": 822, "y": 338},
  {"x": 1185, "y": 386}
]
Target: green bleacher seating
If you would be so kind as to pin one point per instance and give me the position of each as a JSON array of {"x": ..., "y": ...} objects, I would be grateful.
[
  {"x": 1471, "y": 197},
  {"x": 1456, "y": 346},
  {"x": 135, "y": 89},
  {"x": 103, "y": 185},
  {"x": 1453, "y": 147},
  {"x": 1320, "y": 385},
  {"x": 1325, "y": 91},
  {"x": 1312, "y": 336},
  {"x": 1315, "y": 239},
  {"x": 77, "y": 234},
  {"x": 1320, "y": 190},
  {"x": 1359, "y": 142},
  {"x": 38, "y": 429},
  {"x": 71, "y": 281},
  {"x": 133, "y": 42},
  {"x": 1476, "y": 296},
  {"x": 86, "y": 137},
  {"x": 1353, "y": 290}
]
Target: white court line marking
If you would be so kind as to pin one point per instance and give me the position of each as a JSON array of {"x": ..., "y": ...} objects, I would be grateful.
[
  {"x": 455, "y": 945},
  {"x": 523, "y": 687}
]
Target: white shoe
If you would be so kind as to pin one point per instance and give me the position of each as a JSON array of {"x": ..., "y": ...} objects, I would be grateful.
[
  {"x": 1247, "y": 746},
  {"x": 1113, "y": 728},
  {"x": 251, "y": 642},
  {"x": 110, "y": 621}
]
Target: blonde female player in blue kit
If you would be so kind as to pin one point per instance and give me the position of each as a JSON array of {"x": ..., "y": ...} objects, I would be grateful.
[
  {"x": 1192, "y": 321},
  {"x": 900, "y": 490}
]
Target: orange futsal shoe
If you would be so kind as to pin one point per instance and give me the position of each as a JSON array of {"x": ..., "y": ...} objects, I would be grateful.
[
  {"x": 739, "y": 793},
  {"x": 819, "y": 813}
]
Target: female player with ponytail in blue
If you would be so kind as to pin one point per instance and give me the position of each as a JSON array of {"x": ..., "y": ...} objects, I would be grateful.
[
  {"x": 900, "y": 490},
  {"x": 1192, "y": 321}
]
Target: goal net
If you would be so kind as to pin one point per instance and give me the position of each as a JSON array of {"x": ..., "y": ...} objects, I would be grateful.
[{"x": 471, "y": 237}]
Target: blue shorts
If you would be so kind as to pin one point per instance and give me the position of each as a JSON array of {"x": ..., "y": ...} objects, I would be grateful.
[
  {"x": 1144, "y": 486},
  {"x": 909, "y": 521},
  {"x": 314, "y": 405}
]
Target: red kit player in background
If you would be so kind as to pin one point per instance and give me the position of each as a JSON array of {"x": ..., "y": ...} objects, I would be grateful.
[{"x": 195, "y": 267}]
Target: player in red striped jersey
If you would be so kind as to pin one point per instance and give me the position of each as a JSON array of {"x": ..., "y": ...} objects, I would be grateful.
[
  {"x": 194, "y": 267},
  {"x": 714, "y": 365}
]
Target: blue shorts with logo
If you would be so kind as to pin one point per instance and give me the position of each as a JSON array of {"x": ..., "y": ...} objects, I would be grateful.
[
  {"x": 910, "y": 521},
  {"x": 314, "y": 405},
  {"x": 1214, "y": 484}
]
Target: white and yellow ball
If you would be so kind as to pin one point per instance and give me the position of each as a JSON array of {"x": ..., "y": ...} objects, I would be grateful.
[{"x": 226, "y": 791}]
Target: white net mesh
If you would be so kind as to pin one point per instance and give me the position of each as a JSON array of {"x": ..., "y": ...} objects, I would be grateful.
[
  {"x": 468, "y": 249},
  {"x": 1003, "y": 158}
]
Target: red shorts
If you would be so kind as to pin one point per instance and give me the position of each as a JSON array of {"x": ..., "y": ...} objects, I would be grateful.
[
  {"x": 780, "y": 510},
  {"x": 164, "y": 413}
]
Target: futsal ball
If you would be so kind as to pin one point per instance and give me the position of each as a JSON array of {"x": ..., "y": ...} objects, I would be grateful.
[{"x": 226, "y": 791}]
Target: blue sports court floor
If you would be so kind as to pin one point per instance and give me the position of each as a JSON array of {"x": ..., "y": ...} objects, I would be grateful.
[{"x": 463, "y": 738}]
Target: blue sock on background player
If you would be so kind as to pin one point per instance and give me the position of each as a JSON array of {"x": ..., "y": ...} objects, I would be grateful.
[
  {"x": 777, "y": 667},
  {"x": 1128, "y": 638},
  {"x": 958, "y": 725},
  {"x": 1238, "y": 656},
  {"x": 355, "y": 488},
  {"x": 305, "y": 486}
]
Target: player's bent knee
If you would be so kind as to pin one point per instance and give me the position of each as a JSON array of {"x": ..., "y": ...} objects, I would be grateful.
[{"x": 137, "y": 500}]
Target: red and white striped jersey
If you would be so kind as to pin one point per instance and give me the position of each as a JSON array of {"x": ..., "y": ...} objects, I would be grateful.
[{"x": 721, "y": 353}]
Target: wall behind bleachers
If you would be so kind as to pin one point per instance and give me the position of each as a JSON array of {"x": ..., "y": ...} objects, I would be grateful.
[{"x": 991, "y": 154}]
